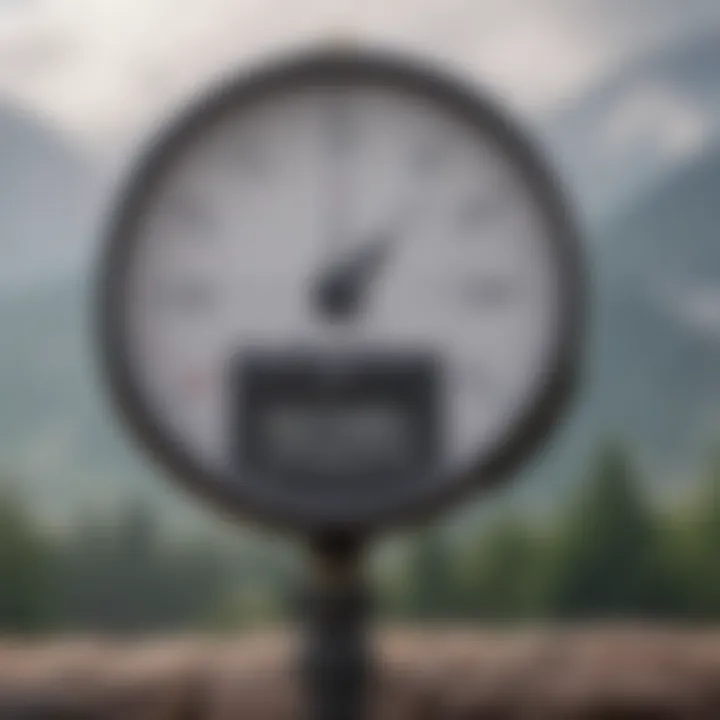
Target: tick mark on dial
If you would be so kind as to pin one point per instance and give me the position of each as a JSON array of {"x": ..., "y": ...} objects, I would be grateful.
[
  {"x": 471, "y": 378},
  {"x": 194, "y": 384},
  {"x": 189, "y": 296},
  {"x": 488, "y": 291},
  {"x": 477, "y": 211},
  {"x": 251, "y": 159},
  {"x": 190, "y": 213},
  {"x": 428, "y": 160}
]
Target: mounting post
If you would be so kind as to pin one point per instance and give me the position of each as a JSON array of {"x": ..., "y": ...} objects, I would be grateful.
[{"x": 336, "y": 662}]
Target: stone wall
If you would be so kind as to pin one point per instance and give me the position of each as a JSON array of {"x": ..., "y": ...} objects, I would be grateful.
[{"x": 601, "y": 674}]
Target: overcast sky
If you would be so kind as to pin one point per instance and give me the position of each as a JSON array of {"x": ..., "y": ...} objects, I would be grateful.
[
  {"x": 104, "y": 73},
  {"x": 107, "y": 68}
]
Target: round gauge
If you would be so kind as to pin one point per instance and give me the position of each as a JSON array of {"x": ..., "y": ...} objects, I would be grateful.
[{"x": 339, "y": 215}]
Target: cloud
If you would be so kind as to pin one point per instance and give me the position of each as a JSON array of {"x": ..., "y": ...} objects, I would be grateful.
[
  {"x": 105, "y": 68},
  {"x": 658, "y": 118},
  {"x": 107, "y": 71}
]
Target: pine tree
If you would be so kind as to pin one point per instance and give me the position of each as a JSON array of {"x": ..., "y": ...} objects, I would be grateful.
[
  {"x": 501, "y": 579},
  {"x": 609, "y": 560},
  {"x": 430, "y": 578},
  {"x": 25, "y": 567},
  {"x": 704, "y": 564}
]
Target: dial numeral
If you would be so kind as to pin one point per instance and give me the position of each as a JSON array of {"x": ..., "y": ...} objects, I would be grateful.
[{"x": 488, "y": 291}]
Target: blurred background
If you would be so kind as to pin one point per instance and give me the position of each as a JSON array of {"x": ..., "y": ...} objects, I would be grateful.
[{"x": 620, "y": 518}]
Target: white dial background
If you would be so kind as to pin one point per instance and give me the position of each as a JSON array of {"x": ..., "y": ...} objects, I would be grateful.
[{"x": 266, "y": 199}]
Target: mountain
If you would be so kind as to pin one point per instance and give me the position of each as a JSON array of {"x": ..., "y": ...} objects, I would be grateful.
[
  {"x": 48, "y": 200},
  {"x": 637, "y": 125},
  {"x": 655, "y": 375},
  {"x": 58, "y": 435},
  {"x": 58, "y": 438}
]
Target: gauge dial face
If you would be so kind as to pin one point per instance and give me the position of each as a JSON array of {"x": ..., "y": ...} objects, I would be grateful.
[{"x": 354, "y": 213}]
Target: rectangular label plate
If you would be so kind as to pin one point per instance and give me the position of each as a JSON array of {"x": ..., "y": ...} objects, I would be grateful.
[{"x": 319, "y": 420}]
